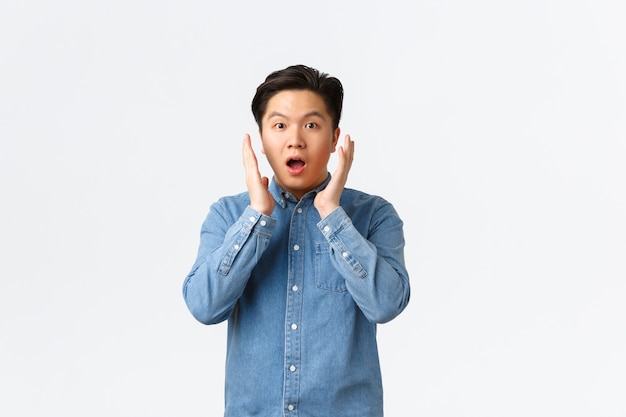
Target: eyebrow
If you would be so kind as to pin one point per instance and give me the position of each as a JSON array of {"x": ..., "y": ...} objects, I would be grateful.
[{"x": 309, "y": 114}]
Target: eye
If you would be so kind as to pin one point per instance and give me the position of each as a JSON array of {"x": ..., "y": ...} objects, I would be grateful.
[
  {"x": 310, "y": 125},
  {"x": 279, "y": 125}
]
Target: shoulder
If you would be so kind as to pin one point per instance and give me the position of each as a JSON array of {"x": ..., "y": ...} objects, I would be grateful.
[
  {"x": 242, "y": 197},
  {"x": 231, "y": 205},
  {"x": 352, "y": 196},
  {"x": 359, "y": 201},
  {"x": 370, "y": 211}
]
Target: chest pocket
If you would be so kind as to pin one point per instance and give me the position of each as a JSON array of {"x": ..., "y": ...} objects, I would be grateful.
[{"x": 326, "y": 276}]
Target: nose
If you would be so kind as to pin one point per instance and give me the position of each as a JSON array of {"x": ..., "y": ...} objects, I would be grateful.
[{"x": 296, "y": 140}]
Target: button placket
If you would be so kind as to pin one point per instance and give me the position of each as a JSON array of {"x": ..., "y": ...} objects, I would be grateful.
[{"x": 294, "y": 309}]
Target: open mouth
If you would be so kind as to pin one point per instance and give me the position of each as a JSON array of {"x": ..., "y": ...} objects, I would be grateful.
[
  {"x": 295, "y": 166},
  {"x": 295, "y": 163}
]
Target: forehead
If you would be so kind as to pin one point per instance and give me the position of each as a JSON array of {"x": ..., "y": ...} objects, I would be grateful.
[{"x": 294, "y": 103}]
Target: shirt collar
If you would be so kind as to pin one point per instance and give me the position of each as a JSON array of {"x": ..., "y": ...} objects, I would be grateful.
[{"x": 281, "y": 196}]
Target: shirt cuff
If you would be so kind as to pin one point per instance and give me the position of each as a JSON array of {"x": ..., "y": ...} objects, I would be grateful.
[
  {"x": 336, "y": 221},
  {"x": 258, "y": 222}
]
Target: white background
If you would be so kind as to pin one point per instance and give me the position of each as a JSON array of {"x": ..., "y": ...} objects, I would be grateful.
[{"x": 496, "y": 128}]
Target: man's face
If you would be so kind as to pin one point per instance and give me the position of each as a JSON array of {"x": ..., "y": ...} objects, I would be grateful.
[{"x": 297, "y": 139}]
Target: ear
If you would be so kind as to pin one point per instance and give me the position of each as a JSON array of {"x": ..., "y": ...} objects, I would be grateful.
[
  {"x": 261, "y": 137},
  {"x": 335, "y": 139}
]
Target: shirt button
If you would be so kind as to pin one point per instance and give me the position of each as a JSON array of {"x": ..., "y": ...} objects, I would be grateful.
[
  {"x": 299, "y": 210},
  {"x": 294, "y": 326},
  {"x": 294, "y": 288},
  {"x": 290, "y": 407},
  {"x": 236, "y": 246},
  {"x": 345, "y": 254},
  {"x": 263, "y": 222},
  {"x": 296, "y": 247},
  {"x": 292, "y": 368},
  {"x": 326, "y": 228},
  {"x": 251, "y": 218}
]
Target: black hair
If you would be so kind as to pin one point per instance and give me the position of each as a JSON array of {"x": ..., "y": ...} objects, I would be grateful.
[{"x": 299, "y": 77}]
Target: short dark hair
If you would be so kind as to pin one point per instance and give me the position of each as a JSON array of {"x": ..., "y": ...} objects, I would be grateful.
[{"x": 299, "y": 77}]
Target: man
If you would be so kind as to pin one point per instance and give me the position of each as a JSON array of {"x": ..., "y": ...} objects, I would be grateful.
[{"x": 302, "y": 268}]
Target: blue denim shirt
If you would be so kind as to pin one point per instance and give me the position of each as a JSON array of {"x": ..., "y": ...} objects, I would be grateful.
[{"x": 302, "y": 297}]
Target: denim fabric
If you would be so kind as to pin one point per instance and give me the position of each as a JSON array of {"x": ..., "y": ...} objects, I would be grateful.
[{"x": 302, "y": 297}]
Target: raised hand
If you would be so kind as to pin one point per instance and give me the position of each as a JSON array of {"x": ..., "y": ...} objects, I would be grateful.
[
  {"x": 328, "y": 199},
  {"x": 260, "y": 198}
]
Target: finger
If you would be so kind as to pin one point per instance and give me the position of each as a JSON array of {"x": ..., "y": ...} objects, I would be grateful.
[
  {"x": 345, "y": 156},
  {"x": 249, "y": 158},
  {"x": 349, "y": 147},
  {"x": 247, "y": 147}
]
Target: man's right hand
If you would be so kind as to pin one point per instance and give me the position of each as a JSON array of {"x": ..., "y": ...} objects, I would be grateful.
[{"x": 260, "y": 198}]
